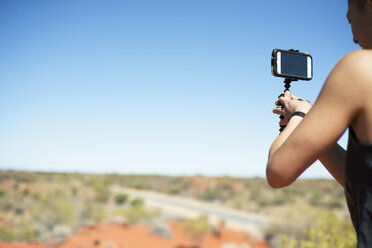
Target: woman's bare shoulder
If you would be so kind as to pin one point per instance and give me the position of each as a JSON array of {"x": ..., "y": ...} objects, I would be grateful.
[
  {"x": 357, "y": 64},
  {"x": 353, "y": 73}
]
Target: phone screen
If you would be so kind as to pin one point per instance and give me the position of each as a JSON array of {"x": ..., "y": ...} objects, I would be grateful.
[{"x": 295, "y": 65}]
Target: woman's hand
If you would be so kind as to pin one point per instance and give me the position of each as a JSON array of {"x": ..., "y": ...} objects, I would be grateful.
[{"x": 290, "y": 104}]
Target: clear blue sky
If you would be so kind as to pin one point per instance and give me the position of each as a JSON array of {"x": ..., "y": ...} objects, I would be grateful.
[{"x": 167, "y": 87}]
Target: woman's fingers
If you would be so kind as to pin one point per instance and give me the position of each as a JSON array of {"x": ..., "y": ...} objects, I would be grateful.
[
  {"x": 281, "y": 111},
  {"x": 294, "y": 97},
  {"x": 288, "y": 94},
  {"x": 278, "y": 111},
  {"x": 277, "y": 103},
  {"x": 283, "y": 122},
  {"x": 283, "y": 100}
]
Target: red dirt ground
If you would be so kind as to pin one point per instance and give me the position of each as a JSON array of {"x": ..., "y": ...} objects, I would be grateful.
[{"x": 118, "y": 236}]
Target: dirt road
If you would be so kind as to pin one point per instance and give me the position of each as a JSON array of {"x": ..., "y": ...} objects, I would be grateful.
[{"x": 181, "y": 207}]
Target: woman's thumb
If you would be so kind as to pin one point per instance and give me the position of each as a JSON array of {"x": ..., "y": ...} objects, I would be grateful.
[{"x": 287, "y": 93}]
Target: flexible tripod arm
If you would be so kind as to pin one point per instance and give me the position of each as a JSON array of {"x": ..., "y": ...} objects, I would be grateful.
[{"x": 287, "y": 85}]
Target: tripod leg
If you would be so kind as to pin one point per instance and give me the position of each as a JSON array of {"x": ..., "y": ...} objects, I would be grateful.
[
  {"x": 282, "y": 116},
  {"x": 287, "y": 85}
]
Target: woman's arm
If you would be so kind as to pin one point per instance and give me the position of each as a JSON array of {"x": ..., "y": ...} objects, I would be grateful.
[
  {"x": 334, "y": 162},
  {"x": 304, "y": 141}
]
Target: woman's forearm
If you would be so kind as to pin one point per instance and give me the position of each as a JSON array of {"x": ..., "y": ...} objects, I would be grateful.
[
  {"x": 333, "y": 160},
  {"x": 292, "y": 124},
  {"x": 278, "y": 174}
]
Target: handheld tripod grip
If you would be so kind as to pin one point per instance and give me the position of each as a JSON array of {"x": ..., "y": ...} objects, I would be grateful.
[
  {"x": 281, "y": 117},
  {"x": 282, "y": 127},
  {"x": 287, "y": 85}
]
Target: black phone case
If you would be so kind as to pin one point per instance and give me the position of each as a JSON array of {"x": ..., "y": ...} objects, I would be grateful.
[{"x": 274, "y": 67}]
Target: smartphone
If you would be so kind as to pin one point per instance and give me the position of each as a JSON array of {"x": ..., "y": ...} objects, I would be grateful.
[{"x": 291, "y": 64}]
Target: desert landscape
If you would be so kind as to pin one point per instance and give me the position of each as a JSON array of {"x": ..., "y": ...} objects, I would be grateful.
[{"x": 111, "y": 210}]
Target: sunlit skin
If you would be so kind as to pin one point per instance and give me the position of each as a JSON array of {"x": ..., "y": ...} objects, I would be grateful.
[{"x": 345, "y": 100}]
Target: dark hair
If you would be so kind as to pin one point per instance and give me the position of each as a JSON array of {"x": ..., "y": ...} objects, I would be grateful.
[{"x": 360, "y": 3}]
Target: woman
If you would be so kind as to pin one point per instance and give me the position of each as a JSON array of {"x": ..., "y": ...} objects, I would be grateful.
[{"x": 345, "y": 101}]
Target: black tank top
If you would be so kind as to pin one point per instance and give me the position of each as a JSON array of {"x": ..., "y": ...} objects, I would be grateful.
[{"x": 358, "y": 187}]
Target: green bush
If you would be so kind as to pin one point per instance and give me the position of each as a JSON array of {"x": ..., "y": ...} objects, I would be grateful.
[
  {"x": 335, "y": 203},
  {"x": 2, "y": 192},
  {"x": 7, "y": 234},
  {"x": 26, "y": 192},
  {"x": 121, "y": 198},
  {"x": 210, "y": 194},
  {"x": 143, "y": 186},
  {"x": 87, "y": 212},
  {"x": 54, "y": 211},
  {"x": 173, "y": 189},
  {"x": 102, "y": 192},
  {"x": 197, "y": 228},
  {"x": 64, "y": 212},
  {"x": 99, "y": 216},
  {"x": 26, "y": 232},
  {"x": 329, "y": 232},
  {"x": 137, "y": 203},
  {"x": 134, "y": 215}
]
